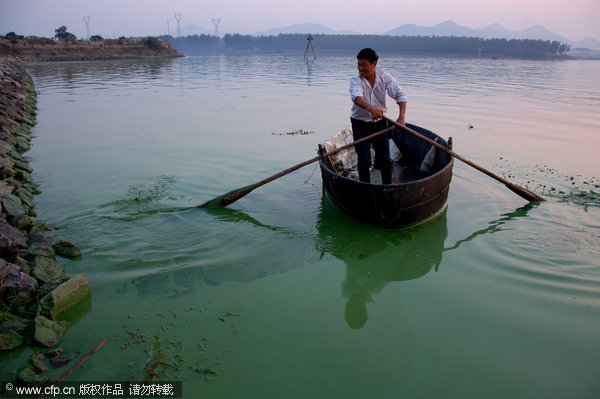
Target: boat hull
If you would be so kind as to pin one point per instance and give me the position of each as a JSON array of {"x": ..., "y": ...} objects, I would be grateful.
[{"x": 395, "y": 205}]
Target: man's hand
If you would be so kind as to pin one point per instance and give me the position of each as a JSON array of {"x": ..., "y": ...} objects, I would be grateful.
[
  {"x": 376, "y": 113},
  {"x": 401, "y": 121}
]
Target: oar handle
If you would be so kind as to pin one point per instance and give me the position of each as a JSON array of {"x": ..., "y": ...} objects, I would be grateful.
[{"x": 524, "y": 193}]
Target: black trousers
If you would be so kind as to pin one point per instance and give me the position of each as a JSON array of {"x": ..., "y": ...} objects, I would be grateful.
[{"x": 381, "y": 146}]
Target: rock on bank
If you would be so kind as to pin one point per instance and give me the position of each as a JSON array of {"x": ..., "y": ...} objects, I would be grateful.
[{"x": 34, "y": 287}]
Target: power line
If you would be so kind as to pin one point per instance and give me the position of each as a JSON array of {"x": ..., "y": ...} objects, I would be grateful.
[
  {"x": 178, "y": 19},
  {"x": 216, "y": 22},
  {"x": 87, "y": 26}
]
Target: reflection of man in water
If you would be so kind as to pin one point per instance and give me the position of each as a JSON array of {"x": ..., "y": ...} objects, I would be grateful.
[
  {"x": 358, "y": 288},
  {"x": 356, "y": 311},
  {"x": 386, "y": 256},
  {"x": 366, "y": 276}
]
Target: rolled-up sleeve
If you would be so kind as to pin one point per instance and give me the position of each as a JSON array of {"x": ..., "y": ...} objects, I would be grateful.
[
  {"x": 394, "y": 90},
  {"x": 356, "y": 89}
]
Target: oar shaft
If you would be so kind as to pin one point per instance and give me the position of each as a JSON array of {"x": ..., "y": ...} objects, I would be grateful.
[
  {"x": 528, "y": 195},
  {"x": 237, "y": 194}
]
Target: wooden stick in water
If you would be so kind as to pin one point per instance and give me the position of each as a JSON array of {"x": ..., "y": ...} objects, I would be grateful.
[{"x": 79, "y": 363}]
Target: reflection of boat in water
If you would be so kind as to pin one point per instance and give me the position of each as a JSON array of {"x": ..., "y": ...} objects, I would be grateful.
[
  {"x": 374, "y": 257},
  {"x": 420, "y": 180},
  {"x": 233, "y": 247}
]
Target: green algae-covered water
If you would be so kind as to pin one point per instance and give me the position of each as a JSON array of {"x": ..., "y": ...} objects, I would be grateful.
[{"x": 281, "y": 295}]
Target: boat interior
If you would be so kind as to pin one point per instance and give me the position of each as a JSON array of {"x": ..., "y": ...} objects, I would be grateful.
[{"x": 409, "y": 162}]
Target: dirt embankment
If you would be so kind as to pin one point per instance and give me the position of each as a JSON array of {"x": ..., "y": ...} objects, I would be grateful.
[{"x": 44, "y": 49}]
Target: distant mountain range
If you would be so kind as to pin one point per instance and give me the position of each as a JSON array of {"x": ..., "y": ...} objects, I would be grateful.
[
  {"x": 447, "y": 28},
  {"x": 306, "y": 28},
  {"x": 190, "y": 30},
  {"x": 450, "y": 28}
]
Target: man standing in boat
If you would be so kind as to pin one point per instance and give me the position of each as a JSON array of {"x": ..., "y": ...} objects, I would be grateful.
[{"x": 368, "y": 89}]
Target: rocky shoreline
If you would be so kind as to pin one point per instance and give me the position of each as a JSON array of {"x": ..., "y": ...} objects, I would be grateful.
[{"x": 35, "y": 290}]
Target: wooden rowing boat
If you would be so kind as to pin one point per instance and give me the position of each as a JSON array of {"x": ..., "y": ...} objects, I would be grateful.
[{"x": 421, "y": 177}]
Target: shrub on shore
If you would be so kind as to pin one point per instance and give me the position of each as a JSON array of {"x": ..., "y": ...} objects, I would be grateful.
[{"x": 152, "y": 42}]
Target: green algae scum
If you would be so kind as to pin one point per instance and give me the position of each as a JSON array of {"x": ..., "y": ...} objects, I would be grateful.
[{"x": 282, "y": 295}]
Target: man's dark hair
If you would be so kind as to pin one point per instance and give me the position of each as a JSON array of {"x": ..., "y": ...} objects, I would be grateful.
[{"x": 367, "y": 54}]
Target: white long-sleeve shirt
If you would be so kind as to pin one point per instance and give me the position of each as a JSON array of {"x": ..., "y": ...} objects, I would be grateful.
[{"x": 384, "y": 83}]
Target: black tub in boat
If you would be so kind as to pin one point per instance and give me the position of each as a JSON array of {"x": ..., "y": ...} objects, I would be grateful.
[{"x": 420, "y": 180}]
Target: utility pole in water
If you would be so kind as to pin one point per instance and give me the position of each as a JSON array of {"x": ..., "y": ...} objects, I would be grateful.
[{"x": 310, "y": 46}]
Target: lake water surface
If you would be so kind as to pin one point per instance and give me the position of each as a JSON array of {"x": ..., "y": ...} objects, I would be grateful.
[{"x": 283, "y": 296}]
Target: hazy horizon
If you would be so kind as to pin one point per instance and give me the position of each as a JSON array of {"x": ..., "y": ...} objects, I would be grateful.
[{"x": 112, "y": 18}]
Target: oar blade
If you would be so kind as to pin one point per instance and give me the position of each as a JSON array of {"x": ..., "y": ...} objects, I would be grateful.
[
  {"x": 524, "y": 193},
  {"x": 227, "y": 198}
]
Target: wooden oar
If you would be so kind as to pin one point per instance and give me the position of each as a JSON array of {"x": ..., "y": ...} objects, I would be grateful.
[
  {"x": 524, "y": 193},
  {"x": 232, "y": 196}
]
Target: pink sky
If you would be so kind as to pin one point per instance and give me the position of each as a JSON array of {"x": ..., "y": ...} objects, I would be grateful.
[{"x": 575, "y": 19}]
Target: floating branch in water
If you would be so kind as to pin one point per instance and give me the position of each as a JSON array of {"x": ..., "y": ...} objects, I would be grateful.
[
  {"x": 294, "y": 133},
  {"x": 157, "y": 365}
]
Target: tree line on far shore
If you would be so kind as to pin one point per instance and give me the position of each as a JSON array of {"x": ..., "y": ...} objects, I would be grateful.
[
  {"x": 196, "y": 44},
  {"x": 449, "y": 45},
  {"x": 63, "y": 35}
]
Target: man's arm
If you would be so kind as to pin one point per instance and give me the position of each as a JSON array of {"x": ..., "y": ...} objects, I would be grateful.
[
  {"x": 402, "y": 113},
  {"x": 376, "y": 113}
]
